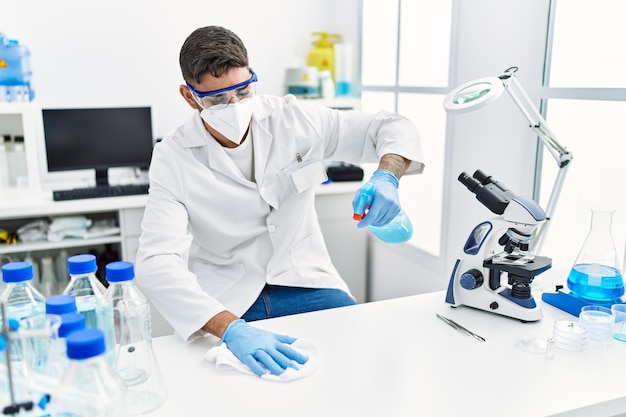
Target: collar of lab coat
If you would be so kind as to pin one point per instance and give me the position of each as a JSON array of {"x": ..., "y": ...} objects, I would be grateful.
[
  {"x": 195, "y": 133},
  {"x": 213, "y": 155}
]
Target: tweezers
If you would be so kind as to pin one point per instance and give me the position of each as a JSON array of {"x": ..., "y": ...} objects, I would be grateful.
[{"x": 460, "y": 328}]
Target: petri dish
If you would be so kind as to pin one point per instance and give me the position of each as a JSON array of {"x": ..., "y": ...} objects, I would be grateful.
[{"x": 569, "y": 335}]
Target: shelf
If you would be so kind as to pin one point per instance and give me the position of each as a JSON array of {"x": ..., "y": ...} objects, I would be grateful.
[
  {"x": 17, "y": 107},
  {"x": 65, "y": 243}
]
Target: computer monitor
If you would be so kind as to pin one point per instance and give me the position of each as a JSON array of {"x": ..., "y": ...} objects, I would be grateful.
[{"x": 97, "y": 138}]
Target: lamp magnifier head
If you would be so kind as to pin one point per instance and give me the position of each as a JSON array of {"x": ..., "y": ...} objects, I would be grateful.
[{"x": 473, "y": 95}]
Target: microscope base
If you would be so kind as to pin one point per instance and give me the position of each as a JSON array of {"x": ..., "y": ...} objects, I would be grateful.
[{"x": 572, "y": 304}]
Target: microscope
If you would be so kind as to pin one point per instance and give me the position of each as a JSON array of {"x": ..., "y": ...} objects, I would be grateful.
[{"x": 496, "y": 246}]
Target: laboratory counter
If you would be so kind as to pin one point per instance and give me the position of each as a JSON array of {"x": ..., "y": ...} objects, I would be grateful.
[
  {"x": 396, "y": 358},
  {"x": 20, "y": 202}
]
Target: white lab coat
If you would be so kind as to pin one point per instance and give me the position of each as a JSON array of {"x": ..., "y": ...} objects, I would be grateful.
[{"x": 211, "y": 239}]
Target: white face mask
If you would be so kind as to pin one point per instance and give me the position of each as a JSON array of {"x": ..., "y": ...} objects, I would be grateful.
[{"x": 231, "y": 120}]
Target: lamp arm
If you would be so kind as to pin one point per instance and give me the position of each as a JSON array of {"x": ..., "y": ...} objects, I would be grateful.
[
  {"x": 538, "y": 124},
  {"x": 537, "y": 242}
]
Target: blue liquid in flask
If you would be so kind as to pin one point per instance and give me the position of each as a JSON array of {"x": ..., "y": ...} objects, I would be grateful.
[{"x": 596, "y": 282}]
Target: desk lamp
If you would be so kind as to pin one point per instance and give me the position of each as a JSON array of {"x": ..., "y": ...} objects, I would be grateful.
[{"x": 483, "y": 91}]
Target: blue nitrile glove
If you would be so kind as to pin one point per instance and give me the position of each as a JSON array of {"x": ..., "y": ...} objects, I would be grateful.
[
  {"x": 261, "y": 350},
  {"x": 384, "y": 205}
]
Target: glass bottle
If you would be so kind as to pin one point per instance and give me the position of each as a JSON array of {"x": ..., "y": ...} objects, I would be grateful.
[
  {"x": 135, "y": 360},
  {"x": 88, "y": 290},
  {"x": 29, "y": 258},
  {"x": 28, "y": 306},
  {"x": 596, "y": 275},
  {"x": 90, "y": 386},
  {"x": 63, "y": 306},
  {"x": 57, "y": 361},
  {"x": 85, "y": 286}
]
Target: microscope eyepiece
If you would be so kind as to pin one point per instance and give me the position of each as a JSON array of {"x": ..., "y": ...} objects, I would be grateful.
[
  {"x": 489, "y": 192},
  {"x": 469, "y": 182},
  {"x": 488, "y": 179},
  {"x": 482, "y": 177}
]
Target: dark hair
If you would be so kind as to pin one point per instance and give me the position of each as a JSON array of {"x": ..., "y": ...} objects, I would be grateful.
[{"x": 211, "y": 49}]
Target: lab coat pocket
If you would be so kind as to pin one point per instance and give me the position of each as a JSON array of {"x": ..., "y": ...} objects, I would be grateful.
[
  {"x": 305, "y": 172},
  {"x": 217, "y": 279},
  {"x": 278, "y": 186},
  {"x": 296, "y": 160}
]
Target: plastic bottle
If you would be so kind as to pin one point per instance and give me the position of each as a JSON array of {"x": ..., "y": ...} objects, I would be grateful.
[
  {"x": 344, "y": 73},
  {"x": 90, "y": 386},
  {"x": 398, "y": 230},
  {"x": 327, "y": 85},
  {"x": 322, "y": 56},
  {"x": 17, "y": 163},
  {"x": 135, "y": 360},
  {"x": 26, "y": 305}
]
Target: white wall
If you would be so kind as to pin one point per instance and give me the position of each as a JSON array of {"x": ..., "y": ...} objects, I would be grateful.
[
  {"x": 492, "y": 36},
  {"x": 121, "y": 52}
]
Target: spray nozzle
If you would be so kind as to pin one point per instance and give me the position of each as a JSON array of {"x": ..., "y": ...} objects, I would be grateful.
[
  {"x": 363, "y": 200},
  {"x": 326, "y": 39}
]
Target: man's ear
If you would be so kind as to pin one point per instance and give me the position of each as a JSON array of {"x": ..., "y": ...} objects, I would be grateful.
[{"x": 188, "y": 96}]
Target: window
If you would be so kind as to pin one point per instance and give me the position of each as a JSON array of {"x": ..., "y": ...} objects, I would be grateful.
[
  {"x": 405, "y": 60},
  {"x": 585, "y": 106}
]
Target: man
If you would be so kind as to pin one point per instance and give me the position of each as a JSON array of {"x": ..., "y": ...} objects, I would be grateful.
[{"x": 230, "y": 232}]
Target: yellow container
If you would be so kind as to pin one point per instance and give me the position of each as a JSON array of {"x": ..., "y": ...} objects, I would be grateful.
[{"x": 322, "y": 56}]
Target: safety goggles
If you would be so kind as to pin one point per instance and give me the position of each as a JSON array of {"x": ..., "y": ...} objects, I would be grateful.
[{"x": 215, "y": 97}]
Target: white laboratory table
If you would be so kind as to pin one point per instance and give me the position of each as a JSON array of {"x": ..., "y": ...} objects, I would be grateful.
[{"x": 395, "y": 358}]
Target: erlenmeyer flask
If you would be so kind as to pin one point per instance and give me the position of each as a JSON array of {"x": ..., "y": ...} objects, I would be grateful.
[{"x": 596, "y": 274}]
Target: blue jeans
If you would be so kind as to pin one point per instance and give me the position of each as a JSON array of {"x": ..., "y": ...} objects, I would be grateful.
[{"x": 276, "y": 301}]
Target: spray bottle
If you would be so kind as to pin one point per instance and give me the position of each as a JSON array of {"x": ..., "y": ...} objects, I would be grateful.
[
  {"x": 398, "y": 230},
  {"x": 322, "y": 56}
]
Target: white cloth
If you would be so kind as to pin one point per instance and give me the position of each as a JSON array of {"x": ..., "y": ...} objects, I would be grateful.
[
  {"x": 225, "y": 360},
  {"x": 211, "y": 239}
]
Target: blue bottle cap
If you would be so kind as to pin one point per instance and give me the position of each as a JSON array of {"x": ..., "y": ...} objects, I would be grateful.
[
  {"x": 17, "y": 272},
  {"x": 14, "y": 324},
  {"x": 119, "y": 271},
  {"x": 81, "y": 264},
  {"x": 61, "y": 304},
  {"x": 70, "y": 323},
  {"x": 85, "y": 344}
]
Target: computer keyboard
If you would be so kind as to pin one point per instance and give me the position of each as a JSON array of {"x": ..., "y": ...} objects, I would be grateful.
[{"x": 100, "y": 191}]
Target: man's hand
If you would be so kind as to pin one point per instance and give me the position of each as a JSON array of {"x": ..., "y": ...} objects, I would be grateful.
[
  {"x": 385, "y": 204},
  {"x": 262, "y": 350}
]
